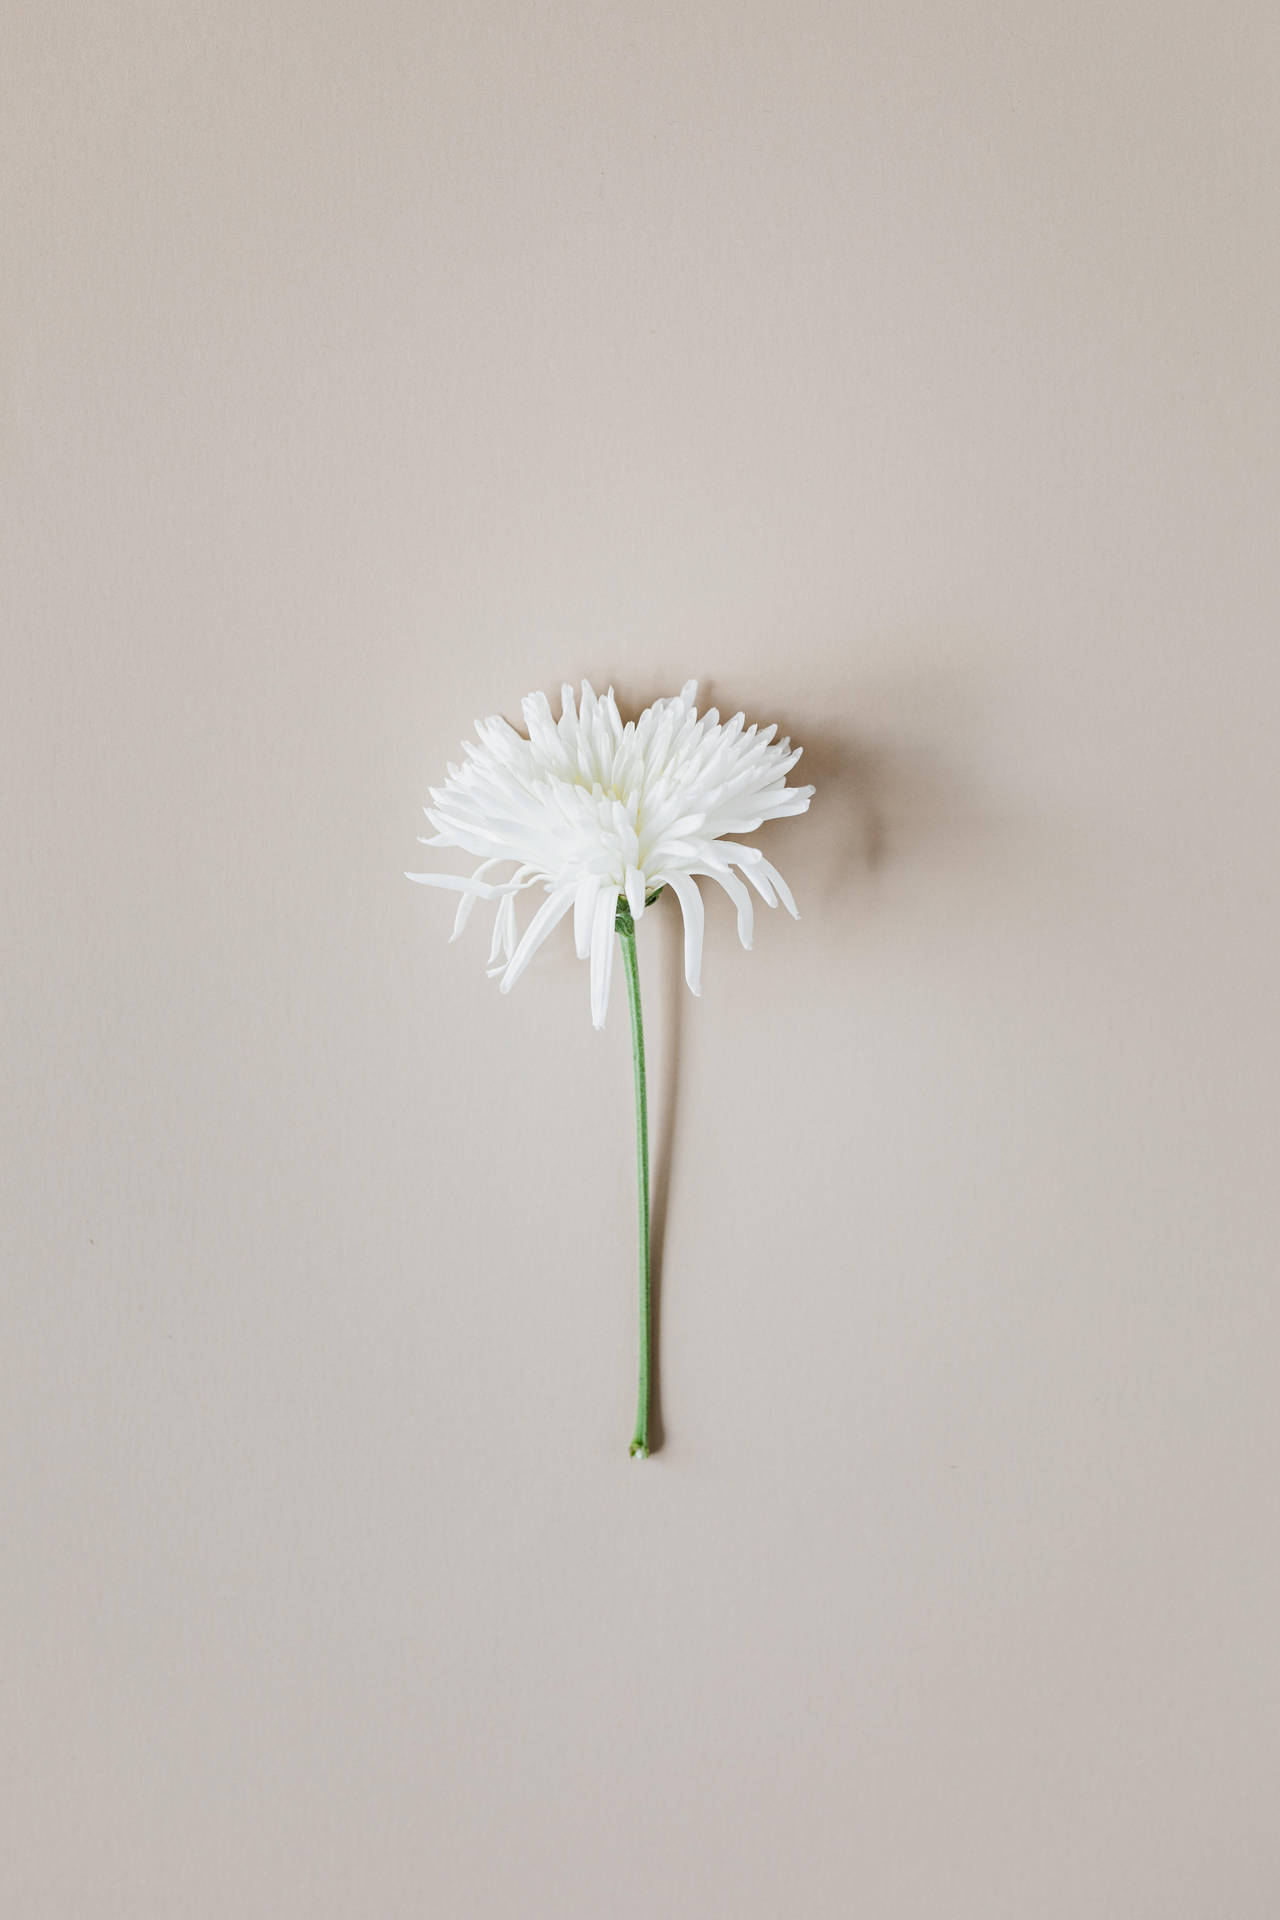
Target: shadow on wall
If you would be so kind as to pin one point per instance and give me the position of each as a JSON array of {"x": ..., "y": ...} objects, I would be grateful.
[
  {"x": 894, "y": 764},
  {"x": 882, "y": 798},
  {"x": 892, "y": 788}
]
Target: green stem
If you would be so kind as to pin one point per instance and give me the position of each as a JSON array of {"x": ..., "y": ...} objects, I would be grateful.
[{"x": 627, "y": 935}]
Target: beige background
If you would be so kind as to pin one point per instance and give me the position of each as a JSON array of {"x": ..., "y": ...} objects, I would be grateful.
[{"x": 908, "y": 373}]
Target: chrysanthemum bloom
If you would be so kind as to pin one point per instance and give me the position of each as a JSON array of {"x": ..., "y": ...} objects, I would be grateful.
[
  {"x": 602, "y": 816},
  {"x": 595, "y": 811}
]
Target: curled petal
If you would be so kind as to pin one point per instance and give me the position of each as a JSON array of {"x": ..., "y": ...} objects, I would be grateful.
[
  {"x": 771, "y": 874},
  {"x": 741, "y": 899},
  {"x": 686, "y": 891},
  {"x": 751, "y": 860}
]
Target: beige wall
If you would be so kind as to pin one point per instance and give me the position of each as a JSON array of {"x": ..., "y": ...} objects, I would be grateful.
[{"x": 908, "y": 373}]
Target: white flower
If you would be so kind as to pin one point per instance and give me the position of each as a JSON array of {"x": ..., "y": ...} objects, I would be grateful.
[{"x": 590, "y": 810}]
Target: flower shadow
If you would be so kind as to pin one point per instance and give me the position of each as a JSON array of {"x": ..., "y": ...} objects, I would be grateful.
[
  {"x": 884, "y": 797},
  {"x": 894, "y": 789},
  {"x": 878, "y": 799}
]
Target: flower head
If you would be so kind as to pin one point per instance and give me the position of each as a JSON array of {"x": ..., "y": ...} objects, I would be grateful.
[{"x": 594, "y": 812}]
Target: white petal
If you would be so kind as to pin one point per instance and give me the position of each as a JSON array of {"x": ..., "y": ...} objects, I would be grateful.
[
  {"x": 634, "y": 890},
  {"x": 457, "y": 883},
  {"x": 784, "y": 892},
  {"x": 504, "y": 936},
  {"x": 504, "y": 932},
  {"x": 741, "y": 900},
  {"x": 469, "y": 899},
  {"x": 686, "y": 892},
  {"x": 549, "y": 914},
  {"x": 584, "y": 903},
  {"x": 752, "y": 869},
  {"x": 495, "y": 945},
  {"x": 602, "y": 945},
  {"x": 691, "y": 823}
]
